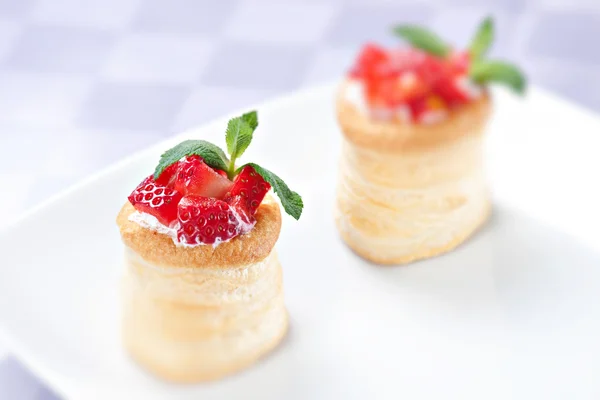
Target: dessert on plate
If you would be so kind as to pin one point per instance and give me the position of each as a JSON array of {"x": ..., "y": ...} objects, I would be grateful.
[
  {"x": 411, "y": 181},
  {"x": 202, "y": 291}
]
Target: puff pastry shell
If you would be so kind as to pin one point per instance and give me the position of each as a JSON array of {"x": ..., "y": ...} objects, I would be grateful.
[
  {"x": 196, "y": 314},
  {"x": 410, "y": 191}
]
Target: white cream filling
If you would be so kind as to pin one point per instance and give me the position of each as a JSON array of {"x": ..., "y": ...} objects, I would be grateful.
[{"x": 148, "y": 221}]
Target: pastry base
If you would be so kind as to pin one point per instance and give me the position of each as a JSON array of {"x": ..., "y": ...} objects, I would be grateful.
[
  {"x": 187, "y": 371},
  {"x": 193, "y": 375},
  {"x": 410, "y": 191},
  {"x": 193, "y": 325},
  {"x": 419, "y": 253}
]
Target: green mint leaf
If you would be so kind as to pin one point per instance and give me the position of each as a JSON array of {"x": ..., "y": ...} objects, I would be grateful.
[
  {"x": 238, "y": 137},
  {"x": 483, "y": 39},
  {"x": 212, "y": 155},
  {"x": 291, "y": 201},
  {"x": 423, "y": 39},
  {"x": 483, "y": 72},
  {"x": 252, "y": 119}
]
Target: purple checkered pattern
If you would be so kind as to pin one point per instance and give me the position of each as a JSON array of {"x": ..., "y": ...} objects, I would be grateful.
[{"x": 84, "y": 83}]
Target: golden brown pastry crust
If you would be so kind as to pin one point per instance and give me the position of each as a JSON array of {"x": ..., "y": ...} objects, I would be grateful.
[
  {"x": 421, "y": 253},
  {"x": 396, "y": 137},
  {"x": 172, "y": 373},
  {"x": 245, "y": 249},
  {"x": 198, "y": 324},
  {"x": 408, "y": 192},
  {"x": 193, "y": 314}
]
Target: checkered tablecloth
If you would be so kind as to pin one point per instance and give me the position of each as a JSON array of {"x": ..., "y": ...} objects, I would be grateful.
[{"x": 84, "y": 83}]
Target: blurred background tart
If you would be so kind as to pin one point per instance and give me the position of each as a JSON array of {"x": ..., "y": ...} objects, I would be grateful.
[{"x": 411, "y": 180}]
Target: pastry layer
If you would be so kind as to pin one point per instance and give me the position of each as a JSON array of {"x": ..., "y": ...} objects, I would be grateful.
[
  {"x": 417, "y": 198},
  {"x": 397, "y": 137},
  {"x": 190, "y": 324},
  {"x": 242, "y": 250}
]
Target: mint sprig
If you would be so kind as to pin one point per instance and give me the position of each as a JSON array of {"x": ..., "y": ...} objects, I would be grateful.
[
  {"x": 290, "y": 200},
  {"x": 484, "y": 72},
  {"x": 423, "y": 39},
  {"x": 212, "y": 155},
  {"x": 483, "y": 39},
  {"x": 481, "y": 71},
  {"x": 238, "y": 137}
]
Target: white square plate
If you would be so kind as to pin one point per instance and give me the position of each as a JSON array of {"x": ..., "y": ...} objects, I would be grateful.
[{"x": 513, "y": 313}]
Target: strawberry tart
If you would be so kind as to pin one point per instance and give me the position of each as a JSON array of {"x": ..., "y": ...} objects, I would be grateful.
[
  {"x": 202, "y": 291},
  {"x": 411, "y": 181}
]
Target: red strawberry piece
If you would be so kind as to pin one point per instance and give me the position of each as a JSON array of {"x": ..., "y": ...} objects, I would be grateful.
[
  {"x": 401, "y": 89},
  {"x": 240, "y": 205},
  {"x": 370, "y": 56},
  {"x": 207, "y": 220},
  {"x": 432, "y": 69},
  {"x": 221, "y": 172},
  {"x": 405, "y": 60},
  {"x": 156, "y": 199},
  {"x": 407, "y": 74},
  {"x": 194, "y": 176},
  {"x": 167, "y": 177},
  {"x": 251, "y": 187},
  {"x": 418, "y": 107},
  {"x": 460, "y": 62},
  {"x": 372, "y": 89},
  {"x": 451, "y": 91}
]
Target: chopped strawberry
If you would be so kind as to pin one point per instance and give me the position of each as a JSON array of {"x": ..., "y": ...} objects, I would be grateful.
[
  {"x": 373, "y": 95},
  {"x": 418, "y": 107},
  {"x": 372, "y": 53},
  {"x": 207, "y": 220},
  {"x": 405, "y": 60},
  {"x": 239, "y": 204},
  {"x": 251, "y": 187},
  {"x": 370, "y": 56},
  {"x": 167, "y": 177},
  {"x": 432, "y": 69},
  {"x": 194, "y": 176},
  {"x": 403, "y": 76},
  {"x": 156, "y": 199},
  {"x": 460, "y": 62},
  {"x": 427, "y": 104},
  {"x": 425, "y": 83},
  {"x": 401, "y": 89},
  {"x": 451, "y": 91}
]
